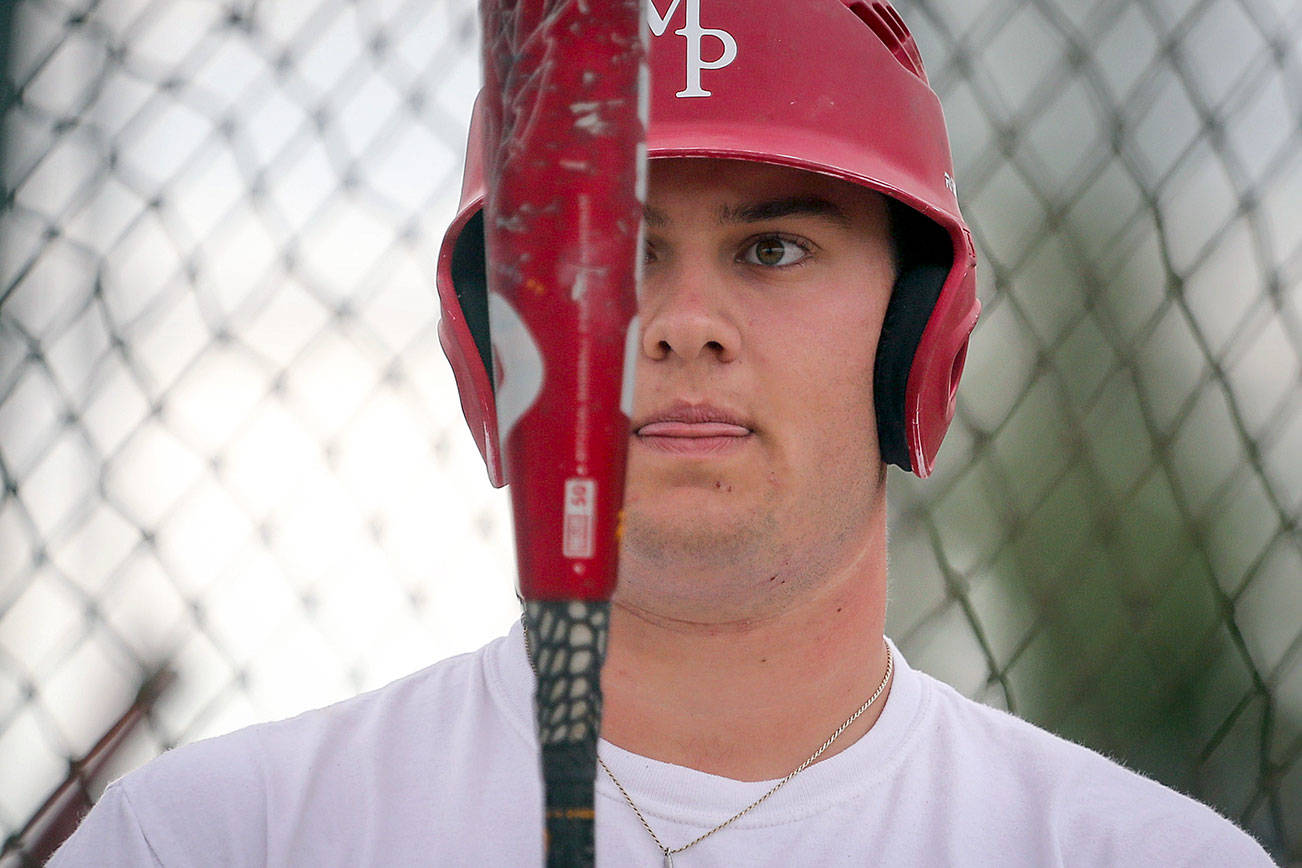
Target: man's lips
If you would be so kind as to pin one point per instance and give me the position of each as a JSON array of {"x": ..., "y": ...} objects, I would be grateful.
[
  {"x": 688, "y": 429},
  {"x": 689, "y": 413},
  {"x": 692, "y": 429}
]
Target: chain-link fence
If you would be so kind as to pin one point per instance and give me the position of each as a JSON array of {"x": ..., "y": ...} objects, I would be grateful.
[{"x": 229, "y": 442}]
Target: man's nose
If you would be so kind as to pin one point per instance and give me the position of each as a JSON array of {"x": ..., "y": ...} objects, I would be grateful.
[{"x": 688, "y": 314}]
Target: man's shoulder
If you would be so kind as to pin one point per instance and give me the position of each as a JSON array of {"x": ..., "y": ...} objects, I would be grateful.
[
  {"x": 286, "y": 784},
  {"x": 422, "y": 700},
  {"x": 1091, "y": 802}
]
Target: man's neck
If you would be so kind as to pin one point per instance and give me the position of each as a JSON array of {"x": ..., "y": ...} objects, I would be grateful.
[{"x": 750, "y": 699}]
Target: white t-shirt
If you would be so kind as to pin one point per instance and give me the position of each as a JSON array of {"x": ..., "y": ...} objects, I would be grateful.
[{"x": 440, "y": 768}]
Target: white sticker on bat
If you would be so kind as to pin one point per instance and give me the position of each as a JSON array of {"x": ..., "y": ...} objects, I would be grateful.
[
  {"x": 632, "y": 342},
  {"x": 580, "y": 517},
  {"x": 518, "y": 363}
]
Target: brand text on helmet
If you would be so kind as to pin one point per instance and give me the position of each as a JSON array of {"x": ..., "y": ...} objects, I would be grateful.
[{"x": 695, "y": 34}]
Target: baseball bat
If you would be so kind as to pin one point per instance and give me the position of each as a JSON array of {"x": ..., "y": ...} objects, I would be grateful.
[{"x": 565, "y": 178}]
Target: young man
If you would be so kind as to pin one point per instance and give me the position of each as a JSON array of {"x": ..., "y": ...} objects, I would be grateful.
[{"x": 808, "y": 292}]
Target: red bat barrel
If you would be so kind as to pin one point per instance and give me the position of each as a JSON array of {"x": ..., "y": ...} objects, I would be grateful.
[{"x": 562, "y": 226}]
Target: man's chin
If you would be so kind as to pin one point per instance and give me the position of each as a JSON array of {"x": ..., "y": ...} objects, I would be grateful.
[
  {"x": 704, "y": 534},
  {"x": 698, "y": 573}
]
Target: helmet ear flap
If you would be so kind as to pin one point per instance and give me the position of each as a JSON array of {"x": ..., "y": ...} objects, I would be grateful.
[
  {"x": 912, "y": 300},
  {"x": 470, "y": 280},
  {"x": 923, "y": 257},
  {"x": 465, "y": 336}
]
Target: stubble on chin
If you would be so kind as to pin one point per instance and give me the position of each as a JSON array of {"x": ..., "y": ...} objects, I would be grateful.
[
  {"x": 703, "y": 548},
  {"x": 690, "y": 540},
  {"x": 700, "y": 568},
  {"x": 698, "y": 564}
]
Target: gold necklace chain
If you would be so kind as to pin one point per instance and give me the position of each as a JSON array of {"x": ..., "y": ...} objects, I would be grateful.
[{"x": 671, "y": 852}]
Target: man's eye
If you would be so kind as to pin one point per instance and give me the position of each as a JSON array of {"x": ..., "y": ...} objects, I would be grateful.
[{"x": 774, "y": 251}]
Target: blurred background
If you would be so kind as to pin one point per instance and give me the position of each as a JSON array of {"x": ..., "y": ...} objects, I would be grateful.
[{"x": 230, "y": 444}]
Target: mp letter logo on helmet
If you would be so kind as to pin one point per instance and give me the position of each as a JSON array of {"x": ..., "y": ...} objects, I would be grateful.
[{"x": 695, "y": 34}]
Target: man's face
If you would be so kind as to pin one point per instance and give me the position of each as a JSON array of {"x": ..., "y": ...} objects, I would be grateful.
[{"x": 754, "y": 452}]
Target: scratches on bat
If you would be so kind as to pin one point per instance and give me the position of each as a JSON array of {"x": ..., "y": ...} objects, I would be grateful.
[
  {"x": 587, "y": 117},
  {"x": 580, "y": 286}
]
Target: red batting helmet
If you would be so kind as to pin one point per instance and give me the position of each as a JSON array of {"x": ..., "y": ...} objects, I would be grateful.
[{"x": 830, "y": 86}]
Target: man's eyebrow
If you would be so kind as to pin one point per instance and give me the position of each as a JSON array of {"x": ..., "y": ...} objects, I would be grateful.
[
  {"x": 788, "y": 206},
  {"x": 766, "y": 209}
]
